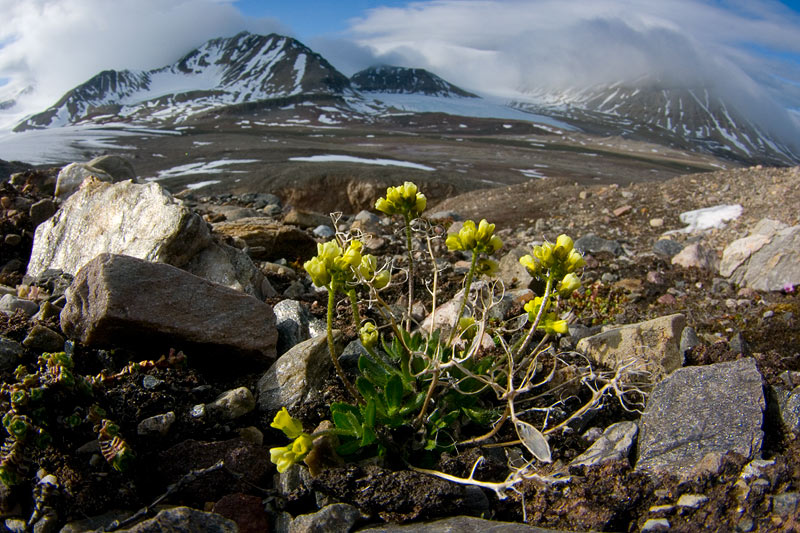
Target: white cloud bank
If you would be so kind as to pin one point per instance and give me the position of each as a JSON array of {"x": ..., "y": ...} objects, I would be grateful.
[
  {"x": 749, "y": 49},
  {"x": 55, "y": 45}
]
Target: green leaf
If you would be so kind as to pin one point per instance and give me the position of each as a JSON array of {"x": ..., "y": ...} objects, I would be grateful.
[
  {"x": 348, "y": 448},
  {"x": 368, "y": 437},
  {"x": 365, "y": 388},
  {"x": 394, "y": 394},
  {"x": 369, "y": 414},
  {"x": 346, "y": 418},
  {"x": 372, "y": 371}
]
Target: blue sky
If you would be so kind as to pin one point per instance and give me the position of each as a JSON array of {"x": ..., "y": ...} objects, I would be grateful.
[{"x": 748, "y": 48}]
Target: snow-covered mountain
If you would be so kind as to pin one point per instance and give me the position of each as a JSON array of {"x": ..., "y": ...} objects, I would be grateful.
[
  {"x": 254, "y": 71},
  {"x": 695, "y": 118},
  {"x": 222, "y": 72},
  {"x": 401, "y": 80}
]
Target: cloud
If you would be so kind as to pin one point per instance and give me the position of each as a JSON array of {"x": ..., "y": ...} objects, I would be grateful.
[
  {"x": 750, "y": 50},
  {"x": 58, "y": 44}
]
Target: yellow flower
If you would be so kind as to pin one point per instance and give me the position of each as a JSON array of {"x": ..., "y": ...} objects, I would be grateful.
[
  {"x": 486, "y": 267},
  {"x": 290, "y": 426},
  {"x": 286, "y": 456},
  {"x": 530, "y": 264},
  {"x": 562, "y": 248},
  {"x": 477, "y": 239},
  {"x": 574, "y": 261},
  {"x": 402, "y": 200},
  {"x": 553, "y": 326},
  {"x": 568, "y": 285},
  {"x": 318, "y": 271}
]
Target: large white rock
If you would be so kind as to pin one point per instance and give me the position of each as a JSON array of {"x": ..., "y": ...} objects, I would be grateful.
[{"x": 139, "y": 220}]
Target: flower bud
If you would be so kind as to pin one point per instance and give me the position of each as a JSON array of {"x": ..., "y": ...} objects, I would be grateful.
[
  {"x": 563, "y": 247},
  {"x": 381, "y": 279},
  {"x": 368, "y": 335}
]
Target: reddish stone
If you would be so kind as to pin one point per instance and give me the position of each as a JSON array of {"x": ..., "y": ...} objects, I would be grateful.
[{"x": 246, "y": 510}]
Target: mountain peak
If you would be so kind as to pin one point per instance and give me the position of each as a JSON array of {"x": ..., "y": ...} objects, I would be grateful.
[{"x": 392, "y": 79}]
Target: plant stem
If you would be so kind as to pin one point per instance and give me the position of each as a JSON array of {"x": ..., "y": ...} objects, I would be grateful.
[
  {"x": 332, "y": 349},
  {"x": 467, "y": 285},
  {"x": 545, "y": 298},
  {"x": 354, "y": 306},
  {"x": 407, "y": 218}
]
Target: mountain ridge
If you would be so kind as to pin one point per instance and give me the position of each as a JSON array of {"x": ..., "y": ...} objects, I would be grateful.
[{"x": 249, "y": 70}]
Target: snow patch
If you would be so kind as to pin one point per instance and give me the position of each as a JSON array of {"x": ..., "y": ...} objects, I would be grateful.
[
  {"x": 333, "y": 158},
  {"x": 201, "y": 167},
  {"x": 708, "y": 218}
]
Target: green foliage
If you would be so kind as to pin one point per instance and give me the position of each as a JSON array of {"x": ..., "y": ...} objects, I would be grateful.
[{"x": 416, "y": 396}]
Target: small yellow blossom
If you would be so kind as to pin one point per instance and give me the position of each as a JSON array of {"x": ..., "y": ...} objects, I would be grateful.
[
  {"x": 402, "y": 200},
  {"x": 290, "y": 426},
  {"x": 368, "y": 334},
  {"x": 477, "y": 239}
]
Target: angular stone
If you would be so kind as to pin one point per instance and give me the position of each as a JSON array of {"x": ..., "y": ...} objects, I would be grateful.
[
  {"x": 10, "y": 303},
  {"x": 330, "y": 519},
  {"x": 615, "y": 443},
  {"x": 511, "y": 272},
  {"x": 43, "y": 339},
  {"x": 459, "y": 524},
  {"x": 700, "y": 410},
  {"x": 233, "y": 403},
  {"x": 767, "y": 260},
  {"x": 296, "y": 377},
  {"x": 292, "y": 321},
  {"x": 141, "y": 221},
  {"x": 10, "y": 353},
  {"x": 306, "y": 219},
  {"x": 272, "y": 240},
  {"x": 696, "y": 256},
  {"x": 156, "y": 425},
  {"x": 593, "y": 244},
  {"x": 72, "y": 175},
  {"x": 116, "y": 299},
  {"x": 184, "y": 520},
  {"x": 224, "y": 264},
  {"x": 667, "y": 247},
  {"x": 117, "y": 167},
  {"x": 654, "y": 344},
  {"x": 41, "y": 211},
  {"x": 790, "y": 410}
]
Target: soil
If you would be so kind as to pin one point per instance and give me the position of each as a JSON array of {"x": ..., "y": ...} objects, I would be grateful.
[{"x": 610, "y": 497}]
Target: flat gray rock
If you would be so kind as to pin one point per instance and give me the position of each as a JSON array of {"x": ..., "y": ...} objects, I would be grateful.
[
  {"x": 768, "y": 259},
  {"x": 653, "y": 345},
  {"x": 615, "y": 443},
  {"x": 698, "y": 410},
  {"x": 116, "y": 299},
  {"x": 460, "y": 524}
]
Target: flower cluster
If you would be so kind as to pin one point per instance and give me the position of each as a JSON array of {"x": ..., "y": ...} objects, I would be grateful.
[
  {"x": 477, "y": 239},
  {"x": 286, "y": 456},
  {"x": 404, "y": 200},
  {"x": 559, "y": 259},
  {"x": 334, "y": 267},
  {"x": 549, "y": 322}
]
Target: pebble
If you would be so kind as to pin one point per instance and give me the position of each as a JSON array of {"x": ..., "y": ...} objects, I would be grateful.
[
  {"x": 768, "y": 314},
  {"x": 323, "y": 231},
  {"x": 12, "y": 239},
  {"x": 692, "y": 501},
  {"x": 233, "y": 403},
  {"x": 44, "y": 339},
  {"x": 156, "y": 425},
  {"x": 198, "y": 411},
  {"x": 786, "y": 504},
  {"x": 10, "y": 303},
  {"x": 623, "y": 210},
  {"x": 656, "y": 524},
  {"x": 656, "y": 222},
  {"x": 151, "y": 382}
]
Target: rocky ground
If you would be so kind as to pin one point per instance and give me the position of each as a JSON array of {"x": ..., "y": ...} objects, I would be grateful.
[{"x": 716, "y": 446}]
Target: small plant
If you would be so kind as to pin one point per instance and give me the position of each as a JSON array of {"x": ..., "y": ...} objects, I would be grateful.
[{"x": 419, "y": 391}]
